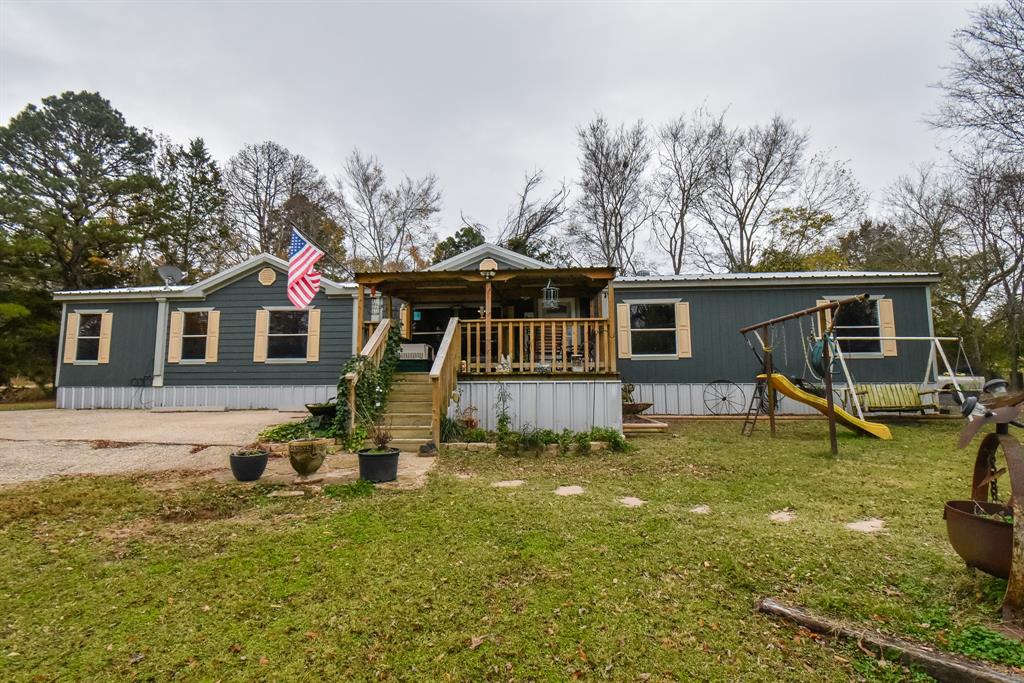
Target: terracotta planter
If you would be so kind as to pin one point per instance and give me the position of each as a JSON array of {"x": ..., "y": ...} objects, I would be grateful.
[{"x": 307, "y": 455}]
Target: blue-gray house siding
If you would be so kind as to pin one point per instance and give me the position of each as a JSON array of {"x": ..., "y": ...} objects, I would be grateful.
[
  {"x": 139, "y": 375},
  {"x": 238, "y": 303},
  {"x": 721, "y": 353},
  {"x": 132, "y": 339}
]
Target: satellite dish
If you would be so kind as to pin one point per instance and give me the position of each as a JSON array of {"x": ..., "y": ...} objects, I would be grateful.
[{"x": 172, "y": 275}]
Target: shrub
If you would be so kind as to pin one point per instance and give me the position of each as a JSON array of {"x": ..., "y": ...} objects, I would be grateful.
[
  {"x": 615, "y": 440},
  {"x": 452, "y": 430},
  {"x": 313, "y": 427},
  {"x": 476, "y": 434},
  {"x": 581, "y": 443}
]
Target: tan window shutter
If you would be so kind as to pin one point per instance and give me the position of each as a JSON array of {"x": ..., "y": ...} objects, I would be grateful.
[
  {"x": 887, "y": 324},
  {"x": 622, "y": 325},
  {"x": 259, "y": 346},
  {"x": 106, "y": 322},
  {"x": 683, "y": 347},
  {"x": 824, "y": 317},
  {"x": 212, "y": 335},
  {"x": 174, "y": 338},
  {"x": 71, "y": 338},
  {"x": 313, "y": 336}
]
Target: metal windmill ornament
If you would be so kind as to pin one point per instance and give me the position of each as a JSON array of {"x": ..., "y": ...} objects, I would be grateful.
[{"x": 550, "y": 300}]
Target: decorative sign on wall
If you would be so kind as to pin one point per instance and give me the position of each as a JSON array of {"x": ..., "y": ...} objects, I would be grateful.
[{"x": 267, "y": 276}]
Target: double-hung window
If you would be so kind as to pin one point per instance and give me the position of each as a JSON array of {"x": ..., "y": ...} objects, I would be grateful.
[
  {"x": 88, "y": 344},
  {"x": 194, "y": 335},
  {"x": 652, "y": 329},
  {"x": 287, "y": 335}
]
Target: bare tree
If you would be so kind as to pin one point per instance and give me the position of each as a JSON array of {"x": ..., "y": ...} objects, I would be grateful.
[
  {"x": 957, "y": 223},
  {"x": 260, "y": 178},
  {"x": 984, "y": 88},
  {"x": 688, "y": 161},
  {"x": 531, "y": 222},
  {"x": 389, "y": 228},
  {"x": 760, "y": 168},
  {"x": 989, "y": 201},
  {"x": 615, "y": 201},
  {"x": 827, "y": 201}
]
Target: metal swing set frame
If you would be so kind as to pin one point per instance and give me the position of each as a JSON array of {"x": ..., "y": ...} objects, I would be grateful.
[{"x": 762, "y": 331}]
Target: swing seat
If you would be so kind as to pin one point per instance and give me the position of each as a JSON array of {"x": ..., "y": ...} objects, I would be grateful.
[{"x": 895, "y": 398}]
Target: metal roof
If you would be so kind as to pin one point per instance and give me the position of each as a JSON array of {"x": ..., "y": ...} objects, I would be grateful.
[
  {"x": 805, "y": 277},
  {"x": 200, "y": 289},
  {"x": 481, "y": 251},
  {"x": 150, "y": 289}
]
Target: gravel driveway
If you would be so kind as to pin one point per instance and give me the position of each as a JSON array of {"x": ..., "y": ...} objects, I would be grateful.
[{"x": 35, "y": 444}]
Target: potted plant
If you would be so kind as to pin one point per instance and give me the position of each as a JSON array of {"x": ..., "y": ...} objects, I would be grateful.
[
  {"x": 248, "y": 464},
  {"x": 379, "y": 463},
  {"x": 307, "y": 455}
]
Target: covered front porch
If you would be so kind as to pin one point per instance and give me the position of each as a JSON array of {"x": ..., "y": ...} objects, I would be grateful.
[{"x": 487, "y": 322}]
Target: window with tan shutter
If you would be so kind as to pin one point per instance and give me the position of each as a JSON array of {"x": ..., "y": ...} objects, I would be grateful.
[
  {"x": 88, "y": 338},
  {"x": 870, "y": 318},
  {"x": 652, "y": 329},
  {"x": 287, "y": 335}
]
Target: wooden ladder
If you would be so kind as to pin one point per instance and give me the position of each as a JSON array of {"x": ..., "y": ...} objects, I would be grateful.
[{"x": 757, "y": 399}]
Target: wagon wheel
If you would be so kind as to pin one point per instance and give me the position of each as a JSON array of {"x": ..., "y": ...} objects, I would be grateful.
[{"x": 723, "y": 397}]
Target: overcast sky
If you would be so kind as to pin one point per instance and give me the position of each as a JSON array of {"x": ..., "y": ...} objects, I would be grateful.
[{"x": 480, "y": 93}]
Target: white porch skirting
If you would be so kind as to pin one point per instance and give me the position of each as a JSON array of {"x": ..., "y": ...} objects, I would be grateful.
[
  {"x": 688, "y": 399},
  {"x": 231, "y": 397},
  {"x": 547, "y": 404}
]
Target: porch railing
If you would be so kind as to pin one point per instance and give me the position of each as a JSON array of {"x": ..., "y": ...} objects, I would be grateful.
[
  {"x": 537, "y": 345},
  {"x": 444, "y": 375},
  {"x": 374, "y": 351}
]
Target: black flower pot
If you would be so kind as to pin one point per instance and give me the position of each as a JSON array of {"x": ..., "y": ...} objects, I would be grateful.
[
  {"x": 248, "y": 467},
  {"x": 378, "y": 466}
]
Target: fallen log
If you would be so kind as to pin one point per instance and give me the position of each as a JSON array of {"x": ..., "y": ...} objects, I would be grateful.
[{"x": 940, "y": 665}]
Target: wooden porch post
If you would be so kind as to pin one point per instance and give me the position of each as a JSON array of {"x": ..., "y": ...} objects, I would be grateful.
[
  {"x": 359, "y": 322},
  {"x": 613, "y": 352},
  {"x": 388, "y": 307},
  {"x": 487, "y": 325}
]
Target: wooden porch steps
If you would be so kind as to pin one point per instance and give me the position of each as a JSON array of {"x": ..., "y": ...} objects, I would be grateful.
[{"x": 408, "y": 410}]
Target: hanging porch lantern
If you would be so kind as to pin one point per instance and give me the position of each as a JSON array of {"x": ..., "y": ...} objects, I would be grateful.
[{"x": 550, "y": 292}]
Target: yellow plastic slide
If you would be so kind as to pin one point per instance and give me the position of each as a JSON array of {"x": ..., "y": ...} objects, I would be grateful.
[{"x": 790, "y": 390}]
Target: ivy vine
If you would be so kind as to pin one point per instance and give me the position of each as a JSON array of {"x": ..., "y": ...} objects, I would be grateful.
[{"x": 372, "y": 387}]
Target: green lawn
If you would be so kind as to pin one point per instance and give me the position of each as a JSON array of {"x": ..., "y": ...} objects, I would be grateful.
[{"x": 112, "y": 578}]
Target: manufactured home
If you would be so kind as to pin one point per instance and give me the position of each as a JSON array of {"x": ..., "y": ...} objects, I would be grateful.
[{"x": 561, "y": 341}]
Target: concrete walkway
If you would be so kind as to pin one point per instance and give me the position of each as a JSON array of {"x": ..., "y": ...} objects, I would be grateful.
[{"x": 35, "y": 444}]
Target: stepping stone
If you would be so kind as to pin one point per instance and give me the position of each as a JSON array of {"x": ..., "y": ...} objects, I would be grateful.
[
  {"x": 464, "y": 476},
  {"x": 701, "y": 509},
  {"x": 631, "y": 502},
  {"x": 509, "y": 484},
  {"x": 285, "y": 494},
  {"x": 867, "y": 526},
  {"x": 568, "y": 490},
  {"x": 784, "y": 516}
]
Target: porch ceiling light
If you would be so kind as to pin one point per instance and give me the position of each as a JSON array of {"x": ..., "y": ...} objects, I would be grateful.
[
  {"x": 550, "y": 292},
  {"x": 488, "y": 268}
]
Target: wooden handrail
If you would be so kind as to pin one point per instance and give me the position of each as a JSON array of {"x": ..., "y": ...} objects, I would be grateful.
[
  {"x": 539, "y": 345},
  {"x": 374, "y": 351},
  {"x": 444, "y": 375}
]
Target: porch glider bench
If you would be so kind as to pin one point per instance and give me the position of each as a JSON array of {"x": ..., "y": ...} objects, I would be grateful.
[{"x": 895, "y": 398}]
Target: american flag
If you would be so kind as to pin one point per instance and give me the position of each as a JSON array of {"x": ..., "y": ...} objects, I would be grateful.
[{"x": 303, "y": 281}]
